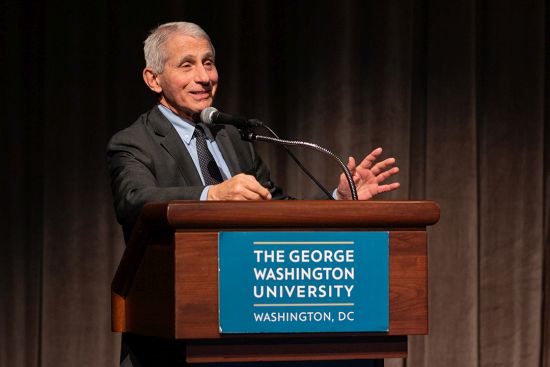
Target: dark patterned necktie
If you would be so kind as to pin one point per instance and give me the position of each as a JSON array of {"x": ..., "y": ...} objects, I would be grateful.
[{"x": 210, "y": 171}]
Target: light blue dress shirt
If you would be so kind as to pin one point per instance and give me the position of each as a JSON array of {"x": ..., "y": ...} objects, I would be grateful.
[{"x": 185, "y": 130}]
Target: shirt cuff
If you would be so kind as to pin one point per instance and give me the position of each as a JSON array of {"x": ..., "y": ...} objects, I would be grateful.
[
  {"x": 204, "y": 193},
  {"x": 334, "y": 194}
]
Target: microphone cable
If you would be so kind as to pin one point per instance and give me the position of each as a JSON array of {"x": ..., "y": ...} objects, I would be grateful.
[{"x": 297, "y": 161}]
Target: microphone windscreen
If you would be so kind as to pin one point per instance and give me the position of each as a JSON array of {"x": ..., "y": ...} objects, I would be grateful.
[{"x": 207, "y": 115}]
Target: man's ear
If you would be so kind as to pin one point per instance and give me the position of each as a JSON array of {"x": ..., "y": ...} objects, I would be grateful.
[{"x": 151, "y": 79}]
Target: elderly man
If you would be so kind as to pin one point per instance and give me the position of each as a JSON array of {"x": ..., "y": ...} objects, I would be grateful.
[{"x": 167, "y": 155}]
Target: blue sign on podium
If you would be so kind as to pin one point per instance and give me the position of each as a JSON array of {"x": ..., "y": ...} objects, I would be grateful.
[{"x": 286, "y": 282}]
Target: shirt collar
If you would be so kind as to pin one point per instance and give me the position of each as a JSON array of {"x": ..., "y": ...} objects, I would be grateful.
[{"x": 184, "y": 127}]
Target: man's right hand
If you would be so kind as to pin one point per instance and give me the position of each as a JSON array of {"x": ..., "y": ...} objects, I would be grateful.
[{"x": 239, "y": 187}]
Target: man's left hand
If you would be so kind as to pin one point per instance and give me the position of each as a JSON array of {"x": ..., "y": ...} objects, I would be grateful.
[{"x": 368, "y": 177}]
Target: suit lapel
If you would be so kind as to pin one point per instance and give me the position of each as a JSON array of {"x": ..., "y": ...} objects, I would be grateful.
[{"x": 171, "y": 142}]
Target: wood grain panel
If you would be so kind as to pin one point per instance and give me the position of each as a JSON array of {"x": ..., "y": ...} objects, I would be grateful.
[
  {"x": 196, "y": 285},
  {"x": 408, "y": 283},
  {"x": 149, "y": 306}
]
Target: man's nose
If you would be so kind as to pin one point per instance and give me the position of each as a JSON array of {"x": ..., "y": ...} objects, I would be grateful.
[{"x": 201, "y": 75}]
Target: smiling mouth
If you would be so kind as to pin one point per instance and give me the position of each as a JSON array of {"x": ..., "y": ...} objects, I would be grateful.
[{"x": 201, "y": 94}]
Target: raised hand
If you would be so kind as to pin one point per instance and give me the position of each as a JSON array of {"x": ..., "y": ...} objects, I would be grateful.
[{"x": 368, "y": 177}]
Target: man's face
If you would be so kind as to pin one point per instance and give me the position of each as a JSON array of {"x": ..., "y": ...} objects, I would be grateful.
[{"x": 189, "y": 80}]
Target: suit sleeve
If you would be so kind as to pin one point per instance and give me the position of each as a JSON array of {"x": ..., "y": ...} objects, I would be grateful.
[{"x": 134, "y": 181}]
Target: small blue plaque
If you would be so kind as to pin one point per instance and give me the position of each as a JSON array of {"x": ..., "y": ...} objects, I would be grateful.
[{"x": 285, "y": 282}]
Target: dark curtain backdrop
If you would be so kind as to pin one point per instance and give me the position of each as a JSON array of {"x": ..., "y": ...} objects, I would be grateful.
[{"x": 458, "y": 91}]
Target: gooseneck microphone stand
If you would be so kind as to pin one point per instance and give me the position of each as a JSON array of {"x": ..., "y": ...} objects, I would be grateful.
[{"x": 248, "y": 135}]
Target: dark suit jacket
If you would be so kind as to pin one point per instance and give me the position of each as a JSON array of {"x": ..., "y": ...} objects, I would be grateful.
[{"x": 148, "y": 162}]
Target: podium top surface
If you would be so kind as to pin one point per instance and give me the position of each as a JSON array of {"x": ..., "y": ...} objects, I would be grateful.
[{"x": 290, "y": 214}]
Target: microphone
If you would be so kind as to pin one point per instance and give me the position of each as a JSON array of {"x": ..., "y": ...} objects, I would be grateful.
[{"x": 211, "y": 115}]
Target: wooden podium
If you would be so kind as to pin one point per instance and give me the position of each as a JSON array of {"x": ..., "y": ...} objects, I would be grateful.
[{"x": 166, "y": 284}]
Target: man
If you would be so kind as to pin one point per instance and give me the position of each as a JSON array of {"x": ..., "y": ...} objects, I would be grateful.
[{"x": 167, "y": 155}]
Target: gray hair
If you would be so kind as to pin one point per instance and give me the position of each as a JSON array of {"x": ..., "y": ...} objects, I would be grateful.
[{"x": 155, "y": 57}]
